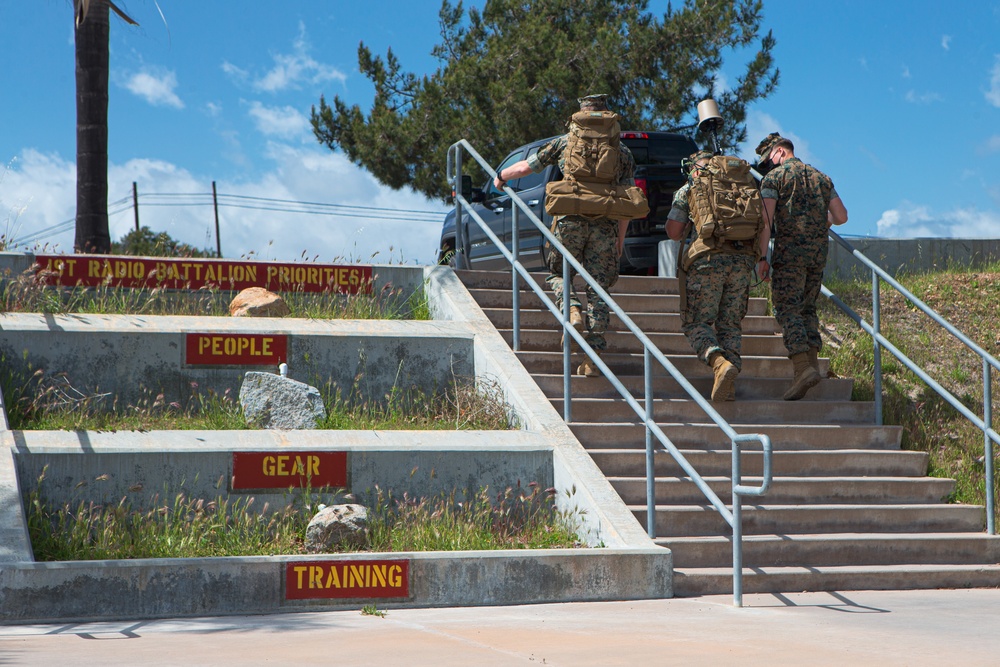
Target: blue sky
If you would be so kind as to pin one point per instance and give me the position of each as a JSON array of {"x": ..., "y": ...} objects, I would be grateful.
[{"x": 898, "y": 102}]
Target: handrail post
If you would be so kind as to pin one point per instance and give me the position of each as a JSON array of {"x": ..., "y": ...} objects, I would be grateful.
[
  {"x": 650, "y": 464},
  {"x": 988, "y": 448},
  {"x": 461, "y": 261},
  {"x": 876, "y": 324},
  {"x": 515, "y": 281},
  {"x": 567, "y": 341},
  {"x": 737, "y": 480}
]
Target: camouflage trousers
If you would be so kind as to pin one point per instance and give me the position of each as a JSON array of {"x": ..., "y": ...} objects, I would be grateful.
[
  {"x": 592, "y": 243},
  {"x": 718, "y": 289},
  {"x": 796, "y": 278}
]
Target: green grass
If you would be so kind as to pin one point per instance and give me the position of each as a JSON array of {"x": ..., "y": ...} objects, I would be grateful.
[
  {"x": 39, "y": 403},
  {"x": 969, "y": 300},
  {"x": 185, "y": 527},
  {"x": 27, "y": 293}
]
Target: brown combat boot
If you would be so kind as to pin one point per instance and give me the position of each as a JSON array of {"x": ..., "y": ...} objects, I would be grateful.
[
  {"x": 724, "y": 388},
  {"x": 806, "y": 377},
  {"x": 588, "y": 367},
  {"x": 575, "y": 321}
]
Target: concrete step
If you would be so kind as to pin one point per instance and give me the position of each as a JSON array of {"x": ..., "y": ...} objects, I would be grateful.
[
  {"x": 837, "y": 549},
  {"x": 624, "y": 284},
  {"x": 846, "y": 462},
  {"x": 537, "y": 318},
  {"x": 638, "y": 302},
  {"x": 747, "y": 388},
  {"x": 551, "y": 363},
  {"x": 803, "y": 491},
  {"x": 763, "y": 412},
  {"x": 761, "y": 519},
  {"x": 690, "y": 582},
  {"x": 550, "y": 340},
  {"x": 709, "y": 436}
]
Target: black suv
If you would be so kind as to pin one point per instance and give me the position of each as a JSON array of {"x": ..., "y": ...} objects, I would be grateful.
[{"x": 658, "y": 172}]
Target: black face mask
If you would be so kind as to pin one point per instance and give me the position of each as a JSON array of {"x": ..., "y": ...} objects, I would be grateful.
[{"x": 764, "y": 165}]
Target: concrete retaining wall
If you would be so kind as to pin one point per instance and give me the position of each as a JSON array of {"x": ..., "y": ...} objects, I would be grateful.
[{"x": 119, "y": 353}]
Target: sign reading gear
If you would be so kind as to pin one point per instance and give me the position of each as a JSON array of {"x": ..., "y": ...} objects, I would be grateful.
[
  {"x": 347, "y": 579},
  {"x": 226, "y": 349},
  {"x": 193, "y": 274},
  {"x": 284, "y": 469}
]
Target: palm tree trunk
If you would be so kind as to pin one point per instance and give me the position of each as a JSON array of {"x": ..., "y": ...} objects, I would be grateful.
[{"x": 92, "y": 233}]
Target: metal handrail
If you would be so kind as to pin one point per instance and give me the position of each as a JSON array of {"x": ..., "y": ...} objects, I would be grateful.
[
  {"x": 650, "y": 353},
  {"x": 985, "y": 424}
]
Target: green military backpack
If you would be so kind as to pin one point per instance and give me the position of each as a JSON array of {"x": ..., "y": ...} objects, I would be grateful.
[{"x": 590, "y": 171}]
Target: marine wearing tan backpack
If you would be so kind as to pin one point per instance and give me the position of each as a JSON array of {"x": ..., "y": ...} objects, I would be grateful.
[
  {"x": 591, "y": 170},
  {"x": 726, "y": 209}
]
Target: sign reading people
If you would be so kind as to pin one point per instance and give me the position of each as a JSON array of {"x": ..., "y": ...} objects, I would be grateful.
[{"x": 191, "y": 273}]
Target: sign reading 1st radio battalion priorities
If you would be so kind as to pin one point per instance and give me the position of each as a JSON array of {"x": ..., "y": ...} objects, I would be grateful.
[{"x": 190, "y": 273}]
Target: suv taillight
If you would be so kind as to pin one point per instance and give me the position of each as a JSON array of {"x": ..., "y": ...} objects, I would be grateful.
[
  {"x": 641, "y": 184},
  {"x": 634, "y": 135}
]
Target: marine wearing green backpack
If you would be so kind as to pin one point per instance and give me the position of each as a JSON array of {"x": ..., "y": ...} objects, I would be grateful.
[
  {"x": 726, "y": 209},
  {"x": 589, "y": 186}
]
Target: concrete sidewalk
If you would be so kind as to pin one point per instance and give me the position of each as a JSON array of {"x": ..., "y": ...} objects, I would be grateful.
[{"x": 883, "y": 628}]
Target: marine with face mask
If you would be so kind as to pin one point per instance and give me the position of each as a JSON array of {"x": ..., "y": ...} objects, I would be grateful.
[{"x": 802, "y": 204}]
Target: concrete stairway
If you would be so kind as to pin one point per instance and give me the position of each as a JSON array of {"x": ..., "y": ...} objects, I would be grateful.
[{"x": 847, "y": 510}]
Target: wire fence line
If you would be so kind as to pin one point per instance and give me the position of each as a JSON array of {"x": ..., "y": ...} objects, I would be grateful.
[{"x": 135, "y": 202}]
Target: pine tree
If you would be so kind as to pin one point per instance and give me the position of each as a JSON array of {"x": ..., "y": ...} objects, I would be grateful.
[{"x": 511, "y": 73}]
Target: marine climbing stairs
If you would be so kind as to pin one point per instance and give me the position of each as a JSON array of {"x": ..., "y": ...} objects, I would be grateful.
[{"x": 847, "y": 509}]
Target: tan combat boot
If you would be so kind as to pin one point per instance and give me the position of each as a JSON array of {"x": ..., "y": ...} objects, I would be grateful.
[
  {"x": 814, "y": 359},
  {"x": 724, "y": 388},
  {"x": 589, "y": 368},
  {"x": 575, "y": 321},
  {"x": 805, "y": 378}
]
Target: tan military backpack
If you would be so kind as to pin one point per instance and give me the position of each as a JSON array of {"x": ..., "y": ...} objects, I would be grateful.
[{"x": 591, "y": 164}]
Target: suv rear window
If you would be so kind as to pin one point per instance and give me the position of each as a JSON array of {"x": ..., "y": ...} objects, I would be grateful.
[{"x": 658, "y": 150}]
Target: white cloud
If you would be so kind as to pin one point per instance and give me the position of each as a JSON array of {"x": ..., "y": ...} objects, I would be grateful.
[
  {"x": 922, "y": 98},
  {"x": 155, "y": 86},
  {"x": 759, "y": 125},
  {"x": 916, "y": 221},
  {"x": 992, "y": 144},
  {"x": 993, "y": 94},
  {"x": 294, "y": 69},
  {"x": 945, "y": 42},
  {"x": 45, "y": 187},
  {"x": 283, "y": 122}
]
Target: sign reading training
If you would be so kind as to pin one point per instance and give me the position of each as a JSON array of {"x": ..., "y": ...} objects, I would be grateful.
[
  {"x": 281, "y": 470},
  {"x": 347, "y": 579},
  {"x": 189, "y": 273}
]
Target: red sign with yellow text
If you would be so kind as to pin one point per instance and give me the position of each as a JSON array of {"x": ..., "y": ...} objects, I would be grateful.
[
  {"x": 190, "y": 273},
  {"x": 226, "y": 349},
  {"x": 347, "y": 579},
  {"x": 281, "y": 470}
]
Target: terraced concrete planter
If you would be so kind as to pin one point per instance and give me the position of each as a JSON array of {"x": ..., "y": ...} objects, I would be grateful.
[{"x": 132, "y": 355}]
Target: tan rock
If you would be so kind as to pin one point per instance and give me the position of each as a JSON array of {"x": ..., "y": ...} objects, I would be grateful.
[{"x": 258, "y": 302}]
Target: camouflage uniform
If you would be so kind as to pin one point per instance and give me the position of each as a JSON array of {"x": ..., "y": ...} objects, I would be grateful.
[
  {"x": 718, "y": 291},
  {"x": 803, "y": 196},
  {"x": 591, "y": 240}
]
